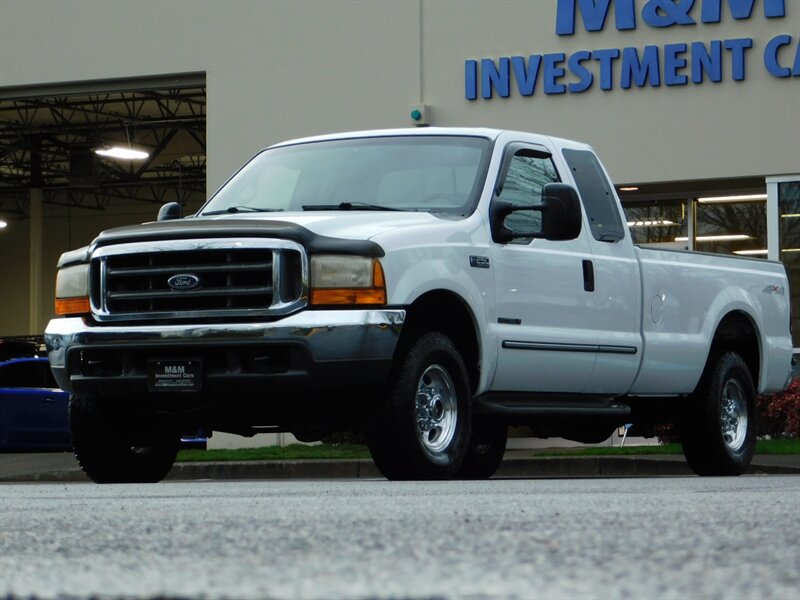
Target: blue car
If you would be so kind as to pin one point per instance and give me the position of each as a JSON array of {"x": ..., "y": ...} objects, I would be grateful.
[{"x": 33, "y": 411}]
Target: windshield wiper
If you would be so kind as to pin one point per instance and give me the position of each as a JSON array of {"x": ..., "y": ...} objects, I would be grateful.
[
  {"x": 238, "y": 209},
  {"x": 351, "y": 206}
]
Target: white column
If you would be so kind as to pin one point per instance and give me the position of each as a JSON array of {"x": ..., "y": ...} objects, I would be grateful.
[
  {"x": 35, "y": 325},
  {"x": 773, "y": 222}
]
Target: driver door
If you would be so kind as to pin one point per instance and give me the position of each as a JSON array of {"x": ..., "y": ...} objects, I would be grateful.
[{"x": 544, "y": 311}]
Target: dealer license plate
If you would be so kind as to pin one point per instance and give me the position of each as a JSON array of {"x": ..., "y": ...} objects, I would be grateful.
[{"x": 174, "y": 375}]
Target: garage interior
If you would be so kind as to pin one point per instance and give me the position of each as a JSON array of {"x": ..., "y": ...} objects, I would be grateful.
[
  {"x": 57, "y": 188},
  {"x": 49, "y": 140}
]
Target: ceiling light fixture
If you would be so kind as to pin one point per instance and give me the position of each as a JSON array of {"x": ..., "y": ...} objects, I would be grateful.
[
  {"x": 631, "y": 188},
  {"x": 763, "y": 252},
  {"x": 122, "y": 153},
  {"x": 716, "y": 238},
  {"x": 742, "y": 198},
  {"x": 3, "y": 224},
  {"x": 654, "y": 223}
]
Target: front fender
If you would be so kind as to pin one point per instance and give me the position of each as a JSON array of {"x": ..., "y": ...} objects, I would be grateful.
[{"x": 414, "y": 272}]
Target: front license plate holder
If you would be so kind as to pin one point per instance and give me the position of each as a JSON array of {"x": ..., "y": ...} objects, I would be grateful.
[{"x": 174, "y": 374}]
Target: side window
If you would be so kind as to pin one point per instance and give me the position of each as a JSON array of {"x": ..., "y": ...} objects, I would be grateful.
[
  {"x": 28, "y": 374},
  {"x": 528, "y": 173},
  {"x": 596, "y": 194}
]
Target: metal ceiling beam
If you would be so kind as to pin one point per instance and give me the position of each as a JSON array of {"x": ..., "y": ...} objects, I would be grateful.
[
  {"x": 194, "y": 79},
  {"x": 61, "y": 122}
]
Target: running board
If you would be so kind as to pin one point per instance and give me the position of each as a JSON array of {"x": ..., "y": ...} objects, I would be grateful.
[{"x": 522, "y": 405}]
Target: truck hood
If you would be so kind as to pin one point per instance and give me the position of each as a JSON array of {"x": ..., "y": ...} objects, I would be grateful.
[
  {"x": 339, "y": 232},
  {"x": 353, "y": 225}
]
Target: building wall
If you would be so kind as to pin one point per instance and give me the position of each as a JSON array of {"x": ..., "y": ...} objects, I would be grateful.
[
  {"x": 669, "y": 133},
  {"x": 283, "y": 69}
]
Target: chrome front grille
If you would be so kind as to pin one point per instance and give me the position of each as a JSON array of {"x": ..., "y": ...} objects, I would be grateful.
[{"x": 198, "y": 278}]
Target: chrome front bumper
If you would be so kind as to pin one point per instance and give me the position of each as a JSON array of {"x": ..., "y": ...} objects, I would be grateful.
[{"x": 327, "y": 340}]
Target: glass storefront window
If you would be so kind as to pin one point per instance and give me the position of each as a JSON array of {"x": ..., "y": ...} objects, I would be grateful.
[
  {"x": 789, "y": 231},
  {"x": 658, "y": 223},
  {"x": 732, "y": 226}
]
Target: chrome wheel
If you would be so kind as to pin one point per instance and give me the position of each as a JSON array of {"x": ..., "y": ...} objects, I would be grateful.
[
  {"x": 422, "y": 429},
  {"x": 733, "y": 415},
  {"x": 718, "y": 429},
  {"x": 436, "y": 409}
]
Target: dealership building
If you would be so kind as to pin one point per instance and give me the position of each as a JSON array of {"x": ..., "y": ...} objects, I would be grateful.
[{"x": 693, "y": 106}]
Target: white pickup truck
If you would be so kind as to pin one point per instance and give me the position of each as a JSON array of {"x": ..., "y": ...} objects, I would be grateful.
[{"x": 428, "y": 287}]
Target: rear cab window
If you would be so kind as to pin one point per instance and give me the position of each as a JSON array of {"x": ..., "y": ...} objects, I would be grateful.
[{"x": 597, "y": 196}]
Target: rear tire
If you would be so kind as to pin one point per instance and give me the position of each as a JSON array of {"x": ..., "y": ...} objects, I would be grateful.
[
  {"x": 719, "y": 436},
  {"x": 486, "y": 450},
  {"x": 112, "y": 449},
  {"x": 421, "y": 429}
]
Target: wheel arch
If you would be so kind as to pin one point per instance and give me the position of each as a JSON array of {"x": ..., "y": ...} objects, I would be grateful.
[
  {"x": 736, "y": 332},
  {"x": 446, "y": 311}
]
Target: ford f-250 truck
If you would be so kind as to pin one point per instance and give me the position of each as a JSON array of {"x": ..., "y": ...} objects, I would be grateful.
[{"x": 427, "y": 287}]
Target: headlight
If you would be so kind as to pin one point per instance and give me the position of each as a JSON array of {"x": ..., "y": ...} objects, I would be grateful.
[
  {"x": 341, "y": 279},
  {"x": 72, "y": 290}
]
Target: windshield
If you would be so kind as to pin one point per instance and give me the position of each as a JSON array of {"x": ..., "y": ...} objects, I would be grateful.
[{"x": 416, "y": 173}]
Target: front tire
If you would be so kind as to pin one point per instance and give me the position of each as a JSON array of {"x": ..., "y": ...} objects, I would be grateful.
[
  {"x": 486, "y": 450},
  {"x": 719, "y": 437},
  {"x": 111, "y": 448},
  {"x": 421, "y": 430}
]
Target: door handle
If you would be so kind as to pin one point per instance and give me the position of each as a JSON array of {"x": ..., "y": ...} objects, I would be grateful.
[{"x": 588, "y": 276}]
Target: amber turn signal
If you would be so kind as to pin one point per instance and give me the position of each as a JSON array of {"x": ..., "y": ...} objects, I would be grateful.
[
  {"x": 349, "y": 296},
  {"x": 72, "y": 306}
]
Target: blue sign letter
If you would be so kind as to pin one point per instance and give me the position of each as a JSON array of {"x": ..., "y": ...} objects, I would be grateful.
[
  {"x": 526, "y": 76},
  {"x": 584, "y": 74},
  {"x": 552, "y": 72},
  {"x": 737, "y": 48},
  {"x": 705, "y": 62},
  {"x": 771, "y": 56},
  {"x": 632, "y": 67},
  {"x": 497, "y": 77},
  {"x": 606, "y": 59},
  {"x": 594, "y": 13},
  {"x": 665, "y": 13},
  {"x": 740, "y": 9},
  {"x": 673, "y": 62},
  {"x": 471, "y": 79}
]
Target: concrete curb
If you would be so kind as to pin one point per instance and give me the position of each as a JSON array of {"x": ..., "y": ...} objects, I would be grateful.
[{"x": 548, "y": 467}]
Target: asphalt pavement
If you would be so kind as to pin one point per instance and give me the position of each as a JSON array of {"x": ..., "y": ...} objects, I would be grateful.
[
  {"x": 61, "y": 467},
  {"x": 591, "y": 538}
]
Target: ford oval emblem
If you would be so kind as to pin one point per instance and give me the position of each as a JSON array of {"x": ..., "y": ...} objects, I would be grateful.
[{"x": 183, "y": 281}]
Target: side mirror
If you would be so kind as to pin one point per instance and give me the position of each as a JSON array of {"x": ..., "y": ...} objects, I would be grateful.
[
  {"x": 169, "y": 212},
  {"x": 561, "y": 216}
]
